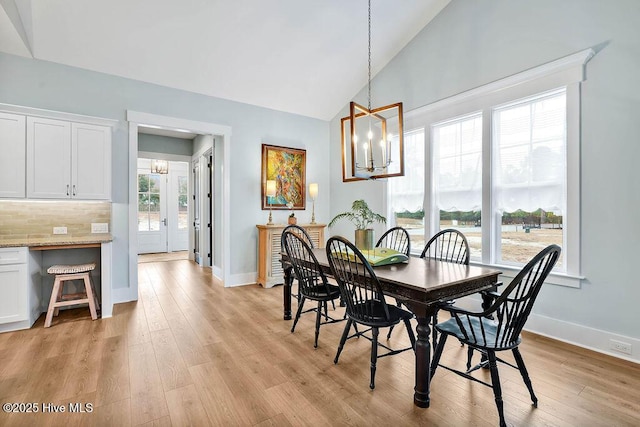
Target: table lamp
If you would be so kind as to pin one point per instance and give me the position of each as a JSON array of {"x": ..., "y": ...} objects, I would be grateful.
[
  {"x": 313, "y": 193},
  {"x": 270, "y": 192}
]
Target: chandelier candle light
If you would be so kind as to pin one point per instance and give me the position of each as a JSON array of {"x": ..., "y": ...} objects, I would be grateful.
[
  {"x": 376, "y": 159},
  {"x": 270, "y": 191},
  {"x": 159, "y": 166},
  {"x": 313, "y": 193}
]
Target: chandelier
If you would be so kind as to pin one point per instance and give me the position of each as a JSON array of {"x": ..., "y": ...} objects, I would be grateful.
[
  {"x": 159, "y": 166},
  {"x": 372, "y": 138}
]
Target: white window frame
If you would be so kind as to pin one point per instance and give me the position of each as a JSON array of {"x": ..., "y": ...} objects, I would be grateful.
[{"x": 566, "y": 72}]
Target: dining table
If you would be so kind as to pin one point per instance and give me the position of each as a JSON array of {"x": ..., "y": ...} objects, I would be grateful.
[{"x": 422, "y": 285}]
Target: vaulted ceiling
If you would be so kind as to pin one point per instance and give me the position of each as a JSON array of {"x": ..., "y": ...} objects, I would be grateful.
[{"x": 300, "y": 56}]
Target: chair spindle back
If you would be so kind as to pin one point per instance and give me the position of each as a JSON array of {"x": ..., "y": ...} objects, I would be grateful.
[
  {"x": 311, "y": 279},
  {"x": 358, "y": 284},
  {"x": 511, "y": 309},
  {"x": 447, "y": 245},
  {"x": 396, "y": 238}
]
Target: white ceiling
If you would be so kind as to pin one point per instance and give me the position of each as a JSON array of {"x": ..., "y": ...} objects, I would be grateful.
[{"x": 307, "y": 57}]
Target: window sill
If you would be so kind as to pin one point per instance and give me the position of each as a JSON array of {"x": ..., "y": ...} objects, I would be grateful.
[{"x": 554, "y": 278}]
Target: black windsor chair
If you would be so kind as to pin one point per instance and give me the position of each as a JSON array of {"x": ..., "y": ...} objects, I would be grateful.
[
  {"x": 312, "y": 282},
  {"x": 364, "y": 299},
  {"x": 498, "y": 328}
]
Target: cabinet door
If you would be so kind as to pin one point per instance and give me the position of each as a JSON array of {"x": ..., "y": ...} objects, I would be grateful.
[
  {"x": 13, "y": 288},
  {"x": 48, "y": 158},
  {"x": 13, "y": 158},
  {"x": 90, "y": 161}
]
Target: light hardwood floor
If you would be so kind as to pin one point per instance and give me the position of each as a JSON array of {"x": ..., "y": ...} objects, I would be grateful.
[{"x": 190, "y": 352}]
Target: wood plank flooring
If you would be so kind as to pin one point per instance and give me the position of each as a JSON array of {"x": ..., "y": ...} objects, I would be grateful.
[{"x": 190, "y": 352}]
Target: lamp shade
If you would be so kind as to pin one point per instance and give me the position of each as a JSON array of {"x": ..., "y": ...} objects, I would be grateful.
[
  {"x": 271, "y": 188},
  {"x": 313, "y": 190}
]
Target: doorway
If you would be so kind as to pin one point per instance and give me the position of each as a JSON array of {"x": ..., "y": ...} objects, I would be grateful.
[
  {"x": 221, "y": 268},
  {"x": 163, "y": 208}
]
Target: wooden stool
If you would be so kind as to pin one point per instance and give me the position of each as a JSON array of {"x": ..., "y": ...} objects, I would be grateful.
[{"x": 68, "y": 273}]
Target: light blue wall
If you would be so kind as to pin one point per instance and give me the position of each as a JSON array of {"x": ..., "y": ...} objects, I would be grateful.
[
  {"x": 164, "y": 144},
  {"x": 42, "y": 84},
  {"x": 472, "y": 43}
]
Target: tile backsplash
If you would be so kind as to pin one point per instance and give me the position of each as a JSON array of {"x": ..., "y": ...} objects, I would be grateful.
[{"x": 28, "y": 218}]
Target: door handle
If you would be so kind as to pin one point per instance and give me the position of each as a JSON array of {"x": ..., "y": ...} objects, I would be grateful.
[{"x": 164, "y": 221}]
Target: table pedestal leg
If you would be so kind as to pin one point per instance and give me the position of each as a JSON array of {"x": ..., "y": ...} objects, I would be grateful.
[
  {"x": 286, "y": 289},
  {"x": 423, "y": 363}
]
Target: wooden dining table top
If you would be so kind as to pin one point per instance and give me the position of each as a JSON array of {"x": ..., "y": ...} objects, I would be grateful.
[{"x": 425, "y": 280}]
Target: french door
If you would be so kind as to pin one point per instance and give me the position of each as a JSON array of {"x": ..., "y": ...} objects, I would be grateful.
[{"x": 162, "y": 208}]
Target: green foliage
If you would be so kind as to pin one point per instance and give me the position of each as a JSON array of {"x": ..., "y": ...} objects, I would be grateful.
[
  {"x": 419, "y": 214},
  {"x": 466, "y": 217},
  {"x": 360, "y": 215}
]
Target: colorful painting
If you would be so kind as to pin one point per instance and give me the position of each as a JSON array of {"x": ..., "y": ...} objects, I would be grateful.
[{"x": 287, "y": 166}]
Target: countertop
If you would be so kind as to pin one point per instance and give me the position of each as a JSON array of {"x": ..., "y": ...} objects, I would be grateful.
[{"x": 58, "y": 240}]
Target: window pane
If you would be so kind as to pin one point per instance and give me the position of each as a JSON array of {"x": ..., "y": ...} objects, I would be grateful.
[
  {"x": 468, "y": 223},
  {"x": 406, "y": 193},
  {"x": 530, "y": 175},
  {"x": 457, "y": 176},
  {"x": 524, "y": 234},
  {"x": 413, "y": 222}
]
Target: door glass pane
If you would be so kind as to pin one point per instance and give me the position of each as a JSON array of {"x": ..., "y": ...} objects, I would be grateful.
[
  {"x": 154, "y": 212},
  {"x": 182, "y": 203},
  {"x": 143, "y": 212},
  {"x": 148, "y": 202},
  {"x": 154, "y": 183}
]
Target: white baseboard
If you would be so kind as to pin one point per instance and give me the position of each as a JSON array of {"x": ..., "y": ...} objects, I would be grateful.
[
  {"x": 218, "y": 273},
  {"x": 572, "y": 333},
  {"x": 582, "y": 336},
  {"x": 241, "y": 280}
]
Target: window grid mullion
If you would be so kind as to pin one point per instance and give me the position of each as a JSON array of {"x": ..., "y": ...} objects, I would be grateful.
[{"x": 488, "y": 216}]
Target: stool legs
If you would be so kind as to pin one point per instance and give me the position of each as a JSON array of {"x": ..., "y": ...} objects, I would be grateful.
[
  {"x": 58, "y": 299},
  {"x": 57, "y": 289},
  {"x": 88, "y": 287}
]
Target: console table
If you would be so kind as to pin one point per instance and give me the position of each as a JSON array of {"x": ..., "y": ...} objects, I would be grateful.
[{"x": 270, "y": 271}]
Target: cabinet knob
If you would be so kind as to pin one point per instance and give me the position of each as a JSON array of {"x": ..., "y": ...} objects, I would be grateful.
[
  {"x": 74, "y": 189},
  {"x": 67, "y": 189}
]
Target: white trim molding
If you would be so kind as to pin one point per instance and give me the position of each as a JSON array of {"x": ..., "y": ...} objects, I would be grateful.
[
  {"x": 567, "y": 69},
  {"x": 136, "y": 119}
]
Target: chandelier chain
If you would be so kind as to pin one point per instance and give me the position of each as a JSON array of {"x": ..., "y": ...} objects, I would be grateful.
[{"x": 369, "y": 52}]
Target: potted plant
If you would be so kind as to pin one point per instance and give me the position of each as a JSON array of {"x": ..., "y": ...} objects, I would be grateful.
[
  {"x": 362, "y": 217},
  {"x": 292, "y": 216}
]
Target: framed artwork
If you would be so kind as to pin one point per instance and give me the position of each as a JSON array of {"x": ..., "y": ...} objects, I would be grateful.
[{"x": 286, "y": 166}]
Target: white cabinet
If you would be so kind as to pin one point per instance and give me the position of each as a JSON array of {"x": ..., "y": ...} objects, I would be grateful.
[
  {"x": 68, "y": 160},
  {"x": 14, "y": 285},
  {"x": 13, "y": 155},
  {"x": 90, "y": 161},
  {"x": 48, "y": 158}
]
